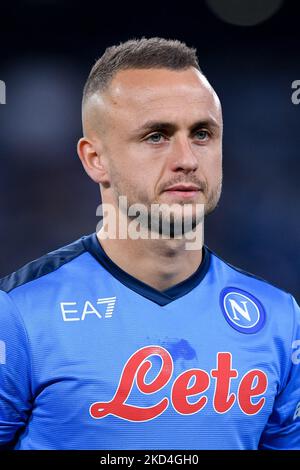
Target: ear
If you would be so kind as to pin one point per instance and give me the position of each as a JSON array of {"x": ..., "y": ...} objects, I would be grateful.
[{"x": 91, "y": 156}]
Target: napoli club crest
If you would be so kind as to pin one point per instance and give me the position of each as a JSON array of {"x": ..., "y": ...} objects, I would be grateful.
[{"x": 242, "y": 310}]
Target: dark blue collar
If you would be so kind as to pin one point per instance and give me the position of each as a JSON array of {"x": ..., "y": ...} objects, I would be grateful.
[{"x": 93, "y": 246}]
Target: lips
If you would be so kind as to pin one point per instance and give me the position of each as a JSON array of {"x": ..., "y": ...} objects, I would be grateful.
[
  {"x": 183, "y": 187},
  {"x": 183, "y": 191}
]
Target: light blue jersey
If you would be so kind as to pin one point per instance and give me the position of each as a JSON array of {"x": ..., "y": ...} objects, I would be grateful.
[{"x": 92, "y": 358}]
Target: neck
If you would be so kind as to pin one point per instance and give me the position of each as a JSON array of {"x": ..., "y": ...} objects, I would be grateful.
[{"x": 160, "y": 263}]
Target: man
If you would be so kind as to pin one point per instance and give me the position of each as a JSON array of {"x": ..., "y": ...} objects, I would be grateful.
[{"x": 127, "y": 342}]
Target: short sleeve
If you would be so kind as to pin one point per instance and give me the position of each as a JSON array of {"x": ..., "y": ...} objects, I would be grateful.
[
  {"x": 15, "y": 373},
  {"x": 282, "y": 431}
]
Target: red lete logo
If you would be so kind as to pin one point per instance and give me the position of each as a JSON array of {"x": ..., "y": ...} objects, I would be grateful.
[{"x": 253, "y": 384}]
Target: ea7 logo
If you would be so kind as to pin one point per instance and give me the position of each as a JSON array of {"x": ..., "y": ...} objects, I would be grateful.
[
  {"x": 2, "y": 353},
  {"x": 74, "y": 311}
]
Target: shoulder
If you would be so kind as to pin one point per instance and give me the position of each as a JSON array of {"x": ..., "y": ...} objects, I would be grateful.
[
  {"x": 42, "y": 267},
  {"x": 251, "y": 304},
  {"x": 232, "y": 277}
]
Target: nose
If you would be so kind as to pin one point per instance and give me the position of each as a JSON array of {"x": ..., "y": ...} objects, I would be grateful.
[{"x": 182, "y": 157}]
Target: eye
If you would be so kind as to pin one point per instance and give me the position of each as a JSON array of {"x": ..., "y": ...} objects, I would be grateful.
[
  {"x": 202, "y": 134},
  {"x": 155, "y": 138}
]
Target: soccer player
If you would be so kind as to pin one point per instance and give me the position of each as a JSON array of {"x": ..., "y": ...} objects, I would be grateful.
[{"x": 127, "y": 342}]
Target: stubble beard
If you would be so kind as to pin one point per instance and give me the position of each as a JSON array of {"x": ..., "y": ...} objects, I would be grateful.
[{"x": 166, "y": 224}]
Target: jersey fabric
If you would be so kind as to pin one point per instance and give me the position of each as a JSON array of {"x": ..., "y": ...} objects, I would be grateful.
[{"x": 92, "y": 358}]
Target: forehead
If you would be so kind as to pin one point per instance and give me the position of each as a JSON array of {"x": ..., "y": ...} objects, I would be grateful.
[{"x": 147, "y": 93}]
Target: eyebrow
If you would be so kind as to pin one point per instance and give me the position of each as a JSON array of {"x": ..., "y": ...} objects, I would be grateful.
[{"x": 151, "y": 126}]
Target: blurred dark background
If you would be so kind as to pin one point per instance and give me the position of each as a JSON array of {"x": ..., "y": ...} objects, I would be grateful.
[{"x": 46, "y": 51}]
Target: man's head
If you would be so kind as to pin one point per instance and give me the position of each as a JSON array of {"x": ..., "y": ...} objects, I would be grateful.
[{"x": 151, "y": 122}]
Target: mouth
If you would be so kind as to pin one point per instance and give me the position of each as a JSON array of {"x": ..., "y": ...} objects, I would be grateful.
[{"x": 182, "y": 190}]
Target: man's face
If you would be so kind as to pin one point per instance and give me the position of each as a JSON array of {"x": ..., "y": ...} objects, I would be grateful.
[{"x": 159, "y": 129}]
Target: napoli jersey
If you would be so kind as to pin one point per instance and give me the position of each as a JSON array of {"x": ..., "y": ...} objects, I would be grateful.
[{"x": 92, "y": 358}]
